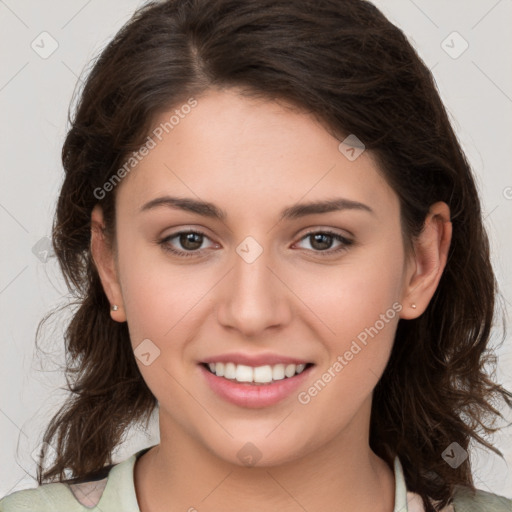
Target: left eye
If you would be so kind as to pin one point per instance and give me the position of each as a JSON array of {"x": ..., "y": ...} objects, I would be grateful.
[
  {"x": 191, "y": 241},
  {"x": 321, "y": 239}
]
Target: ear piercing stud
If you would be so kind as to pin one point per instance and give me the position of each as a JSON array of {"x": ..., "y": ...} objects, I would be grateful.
[{"x": 413, "y": 306}]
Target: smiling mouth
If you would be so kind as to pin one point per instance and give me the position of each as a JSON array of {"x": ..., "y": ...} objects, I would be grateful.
[{"x": 259, "y": 375}]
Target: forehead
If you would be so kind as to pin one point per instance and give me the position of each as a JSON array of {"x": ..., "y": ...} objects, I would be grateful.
[{"x": 247, "y": 155}]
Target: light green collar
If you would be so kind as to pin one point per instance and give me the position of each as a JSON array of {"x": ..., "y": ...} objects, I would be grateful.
[{"x": 120, "y": 493}]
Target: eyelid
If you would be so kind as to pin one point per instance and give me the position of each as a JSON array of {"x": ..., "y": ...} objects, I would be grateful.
[{"x": 345, "y": 233}]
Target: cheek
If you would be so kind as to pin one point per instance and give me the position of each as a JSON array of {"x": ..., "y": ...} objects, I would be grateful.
[
  {"x": 351, "y": 296},
  {"x": 357, "y": 308},
  {"x": 160, "y": 302},
  {"x": 159, "y": 296},
  {"x": 363, "y": 320}
]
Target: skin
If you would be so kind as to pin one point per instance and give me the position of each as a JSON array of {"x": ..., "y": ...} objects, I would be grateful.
[{"x": 253, "y": 158}]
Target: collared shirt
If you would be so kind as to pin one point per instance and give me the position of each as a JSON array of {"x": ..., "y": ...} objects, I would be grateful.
[{"x": 116, "y": 492}]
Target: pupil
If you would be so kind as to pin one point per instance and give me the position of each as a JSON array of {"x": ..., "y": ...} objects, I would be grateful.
[
  {"x": 188, "y": 238},
  {"x": 322, "y": 236}
]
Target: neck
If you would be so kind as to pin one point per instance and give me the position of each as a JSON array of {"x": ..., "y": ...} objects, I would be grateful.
[{"x": 343, "y": 474}]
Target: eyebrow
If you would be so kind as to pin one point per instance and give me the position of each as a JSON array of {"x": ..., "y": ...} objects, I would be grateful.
[{"x": 207, "y": 209}]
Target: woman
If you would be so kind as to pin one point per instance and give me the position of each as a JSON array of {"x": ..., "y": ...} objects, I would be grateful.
[{"x": 278, "y": 242}]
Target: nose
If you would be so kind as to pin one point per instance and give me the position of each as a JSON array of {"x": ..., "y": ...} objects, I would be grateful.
[{"x": 252, "y": 296}]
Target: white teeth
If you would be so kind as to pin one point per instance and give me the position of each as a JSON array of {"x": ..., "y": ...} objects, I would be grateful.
[
  {"x": 278, "y": 372},
  {"x": 218, "y": 369},
  {"x": 244, "y": 373},
  {"x": 289, "y": 371},
  {"x": 263, "y": 374},
  {"x": 230, "y": 371},
  {"x": 259, "y": 374}
]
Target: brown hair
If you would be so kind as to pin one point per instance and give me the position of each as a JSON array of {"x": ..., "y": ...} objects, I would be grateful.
[{"x": 343, "y": 61}]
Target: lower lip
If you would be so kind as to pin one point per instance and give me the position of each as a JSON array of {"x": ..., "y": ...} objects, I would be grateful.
[{"x": 254, "y": 395}]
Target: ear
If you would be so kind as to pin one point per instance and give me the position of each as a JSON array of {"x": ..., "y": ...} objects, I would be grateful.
[
  {"x": 105, "y": 261},
  {"x": 427, "y": 263}
]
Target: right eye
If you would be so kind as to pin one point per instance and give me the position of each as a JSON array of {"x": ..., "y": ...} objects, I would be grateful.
[{"x": 190, "y": 240}]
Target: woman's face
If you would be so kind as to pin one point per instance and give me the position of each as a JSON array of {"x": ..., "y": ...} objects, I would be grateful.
[{"x": 265, "y": 285}]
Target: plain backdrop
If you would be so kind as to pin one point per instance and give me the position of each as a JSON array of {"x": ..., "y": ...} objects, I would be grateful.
[{"x": 44, "y": 48}]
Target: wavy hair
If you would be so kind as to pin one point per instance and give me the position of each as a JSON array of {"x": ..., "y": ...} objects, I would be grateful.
[{"x": 344, "y": 62}]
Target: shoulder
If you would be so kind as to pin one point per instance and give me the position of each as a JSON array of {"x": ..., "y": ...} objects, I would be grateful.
[
  {"x": 54, "y": 497},
  {"x": 466, "y": 500},
  {"x": 111, "y": 489}
]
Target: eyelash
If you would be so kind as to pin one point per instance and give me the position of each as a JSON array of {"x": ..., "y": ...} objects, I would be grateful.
[{"x": 329, "y": 252}]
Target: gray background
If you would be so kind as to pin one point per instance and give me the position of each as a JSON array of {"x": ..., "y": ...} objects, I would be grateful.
[{"x": 35, "y": 91}]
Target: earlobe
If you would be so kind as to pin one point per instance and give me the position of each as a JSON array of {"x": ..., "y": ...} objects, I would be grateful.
[
  {"x": 428, "y": 261},
  {"x": 104, "y": 261}
]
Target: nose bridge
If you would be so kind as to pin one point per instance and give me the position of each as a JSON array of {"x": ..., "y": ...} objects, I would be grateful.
[
  {"x": 251, "y": 267},
  {"x": 253, "y": 298}
]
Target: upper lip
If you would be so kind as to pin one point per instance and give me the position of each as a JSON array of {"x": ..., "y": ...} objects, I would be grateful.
[{"x": 254, "y": 359}]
